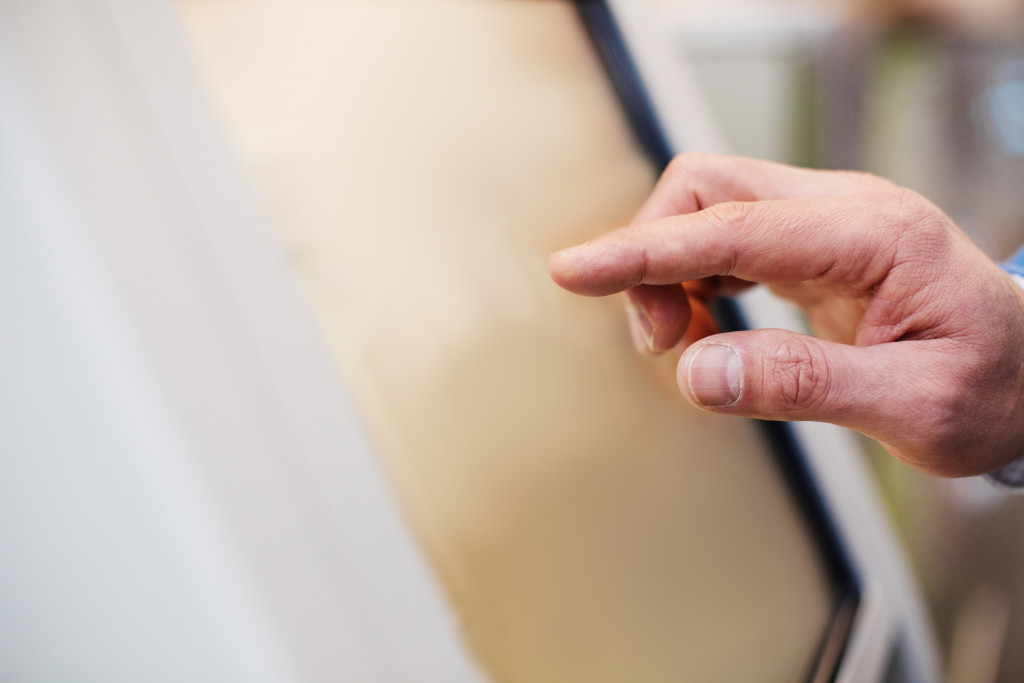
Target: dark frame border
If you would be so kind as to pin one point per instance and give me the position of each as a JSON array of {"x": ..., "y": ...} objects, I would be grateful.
[{"x": 785, "y": 446}]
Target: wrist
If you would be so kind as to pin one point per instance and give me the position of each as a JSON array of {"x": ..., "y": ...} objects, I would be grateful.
[{"x": 1010, "y": 477}]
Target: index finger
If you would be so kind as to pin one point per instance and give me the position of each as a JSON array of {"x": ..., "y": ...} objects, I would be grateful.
[{"x": 839, "y": 240}]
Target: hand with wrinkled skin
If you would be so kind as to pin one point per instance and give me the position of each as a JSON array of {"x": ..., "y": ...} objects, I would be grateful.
[{"x": 920, "y": 335}]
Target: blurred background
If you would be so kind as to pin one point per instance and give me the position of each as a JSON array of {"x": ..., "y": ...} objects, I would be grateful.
[
  {"x": 929, "y": 93},
  {"x": 542, "y": 511}
]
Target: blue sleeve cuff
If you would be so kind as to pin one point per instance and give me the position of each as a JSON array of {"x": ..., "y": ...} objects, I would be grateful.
[
  {"x": 1016, "y": 264},
  {"x": 1008, "y": 477}
]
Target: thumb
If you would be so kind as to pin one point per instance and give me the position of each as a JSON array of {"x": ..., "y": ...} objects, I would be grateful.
[
  {"x": 780, "y": 375},
  {"x": 918, "y": 398}
]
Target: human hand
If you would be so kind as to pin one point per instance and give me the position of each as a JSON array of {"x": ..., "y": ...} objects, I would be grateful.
[{"x": 920, "y": 335}]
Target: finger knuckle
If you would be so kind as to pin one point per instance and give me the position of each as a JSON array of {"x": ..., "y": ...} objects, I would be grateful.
[
  {"x": 906, "y": 202},
  {"x": 798, "y": 377},
  {"x": 727, "y": 215},
  {"x": 687, "y": 169},
  {"x": 905, "y": 211},
  {"x": 723, "y": 221},
  {"x": 923, "y": 239},
  {"x": 686, "y": 162}
]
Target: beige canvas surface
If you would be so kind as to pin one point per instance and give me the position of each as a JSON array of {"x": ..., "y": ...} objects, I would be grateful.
[{"x": 420, "y": 158}]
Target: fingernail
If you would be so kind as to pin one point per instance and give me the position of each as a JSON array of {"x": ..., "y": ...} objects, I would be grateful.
[
  {"x": 641, "y": 327},
  {"x": 716, "y": 375}
]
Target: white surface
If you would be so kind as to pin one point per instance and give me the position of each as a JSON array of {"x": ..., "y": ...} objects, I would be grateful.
[
  {"x": 752, "y": 27},
  {"x": 754, "y": 61},
  {"x": 93, "y": 467},
  {"x": 183, "y": 497}
]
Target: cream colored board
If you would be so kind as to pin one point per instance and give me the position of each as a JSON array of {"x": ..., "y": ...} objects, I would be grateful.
[{"x": 420, "y": 159}]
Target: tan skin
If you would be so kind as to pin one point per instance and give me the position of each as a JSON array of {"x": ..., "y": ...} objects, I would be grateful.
[{"x": 920, "y": 336}]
